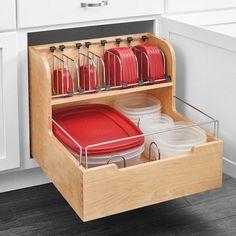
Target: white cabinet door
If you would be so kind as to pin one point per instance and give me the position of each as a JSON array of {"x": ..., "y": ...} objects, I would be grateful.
[
  {"x": 9, "y": 133},
  {"x": 7, "y": 15}
]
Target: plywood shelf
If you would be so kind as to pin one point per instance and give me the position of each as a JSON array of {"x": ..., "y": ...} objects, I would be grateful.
[{"x": 104, "y": 94}]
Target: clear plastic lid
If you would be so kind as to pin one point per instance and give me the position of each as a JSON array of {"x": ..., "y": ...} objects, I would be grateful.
[
  {"x": 155, "y": 123},
  {"x": 182, "y": 138}
]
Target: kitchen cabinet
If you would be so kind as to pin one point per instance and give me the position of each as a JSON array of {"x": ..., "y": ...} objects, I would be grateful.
[
  {"x": 206, "y": 56},
  {"x": 59, "y": 15},
  {"x": 8, "y": 15},
  {"x": 9, "y": 135}
]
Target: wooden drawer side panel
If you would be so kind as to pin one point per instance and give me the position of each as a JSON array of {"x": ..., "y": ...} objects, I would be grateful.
[
  {"x": 56, "y": 161},
  {"x": 109, "y": 191}
]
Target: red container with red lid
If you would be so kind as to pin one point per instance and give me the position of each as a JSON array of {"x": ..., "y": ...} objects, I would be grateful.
[
  {"x": 156, "y": 63},
  {"x": 88, "y": 77},
  {"x": 96, "y": 123},
  {"x": 120, "y": 66},
  {"x": 62, "y": 81}
]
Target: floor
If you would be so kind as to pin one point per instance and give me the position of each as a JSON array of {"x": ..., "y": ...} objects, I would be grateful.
[{"x": 41, "y": 210}]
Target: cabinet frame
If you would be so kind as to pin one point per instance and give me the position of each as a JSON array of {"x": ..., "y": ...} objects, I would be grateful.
[{"x": 9, "y": 102}]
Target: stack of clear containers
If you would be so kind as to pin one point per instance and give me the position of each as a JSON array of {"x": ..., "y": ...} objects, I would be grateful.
[
  {"x": 137, "y": 106},
  {"x": 180, "y": 140},
  {"x": 153, "y": 124}
]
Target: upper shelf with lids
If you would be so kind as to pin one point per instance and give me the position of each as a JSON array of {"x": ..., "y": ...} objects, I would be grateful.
[{"x": 96, "y": 68}]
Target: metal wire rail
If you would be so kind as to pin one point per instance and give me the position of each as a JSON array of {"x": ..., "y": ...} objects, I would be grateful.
[{"x": 158, "y": 156}]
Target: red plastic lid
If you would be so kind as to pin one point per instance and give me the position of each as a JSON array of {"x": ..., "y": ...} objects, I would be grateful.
[
  {"x": 112, "y": 66},
  {"x": 95, "y": 123},
  {"x": 88, "y": 77},
  {"x": 156, "y": 69},
  {"x": 62, "y": 81}
]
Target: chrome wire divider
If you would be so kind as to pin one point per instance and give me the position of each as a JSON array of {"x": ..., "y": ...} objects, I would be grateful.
[
  {"x": 141, "y": 135},
  {"x": 70, "y": 64},
  {"x": 164, "y": 62},
  {"x": 69, "y": 136},
  {"x": 84, "y": 60},
  {"x": 136, "y": 50},
  {"x": 100, "y": 66},
  {"x": 150, "y": 151},
  {"x": 124, "y": 160},
  {"x": 58, "y": 63},
  {"x": 216, "y": 122},
  {"x": 108, "y": 80}
]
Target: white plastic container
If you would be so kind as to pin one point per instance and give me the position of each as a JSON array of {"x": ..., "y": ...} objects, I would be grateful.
[
  {"x": 137, "y": 106},
  {"x": 131, "y": 157},
  {"x": 180, "y": 141},
  {"x": 153, "y": 124}
]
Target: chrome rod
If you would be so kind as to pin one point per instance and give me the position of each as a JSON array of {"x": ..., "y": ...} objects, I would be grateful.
[{"x": 72, "y": 139}]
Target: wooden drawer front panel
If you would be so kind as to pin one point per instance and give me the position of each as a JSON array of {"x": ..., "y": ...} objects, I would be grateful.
[
  {"x": 53, "y": 12},
  {"x": 109, "y": 191}
]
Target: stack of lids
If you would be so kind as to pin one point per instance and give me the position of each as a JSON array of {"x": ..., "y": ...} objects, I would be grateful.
[
  {"x": 152, "y": 125},
  {"x": 93, "y": 124},
  {"x": 120, "y": 66},
  {"x": 88, "y": 77},
  {"x": 180, "y": 140},
  {"x": 62, "y": 81},
  {"x": 149, "y": 57},
  {"x": 137, "y": 106}
]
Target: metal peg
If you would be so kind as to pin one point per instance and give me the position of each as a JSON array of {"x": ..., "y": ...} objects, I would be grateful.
[
  {"x": 52, "y": 49},
  {"x": 62, "y": 47},
  {"x": 118, "y": 41},
  {"x": 144, "y": 37},
  {"x": 87, "y": 44},
  {"x": 78, "y": 45}
]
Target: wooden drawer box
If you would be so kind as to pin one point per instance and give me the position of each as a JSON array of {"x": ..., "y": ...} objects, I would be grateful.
[
  {"x": 107, "y": 190},
  {"x": 54, "y": 12}
]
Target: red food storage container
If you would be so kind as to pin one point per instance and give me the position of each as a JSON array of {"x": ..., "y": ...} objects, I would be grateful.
[
  {"x": 62, "y": 81},
  {"x": 88, "y": 77},
  {"x": 120, "y": 66},
  {"x": 156, "y": 63},
  {"x": 96, "y": 123}
]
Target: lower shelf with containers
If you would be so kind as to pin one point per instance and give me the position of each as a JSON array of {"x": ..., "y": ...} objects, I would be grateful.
[{"x": 105, "y": 129}]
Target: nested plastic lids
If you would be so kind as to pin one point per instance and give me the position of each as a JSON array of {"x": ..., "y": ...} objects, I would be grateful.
[
  {"x": 184, "y": 136},
  {"x": 156, "y": 63},
  {"x": 155, "y": 123},
  {"x": 95, "y": 123},
  {"x": 127, "y": 62}
]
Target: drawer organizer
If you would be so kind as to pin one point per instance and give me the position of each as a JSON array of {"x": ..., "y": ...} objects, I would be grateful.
[{"x": 75, "y": 73}]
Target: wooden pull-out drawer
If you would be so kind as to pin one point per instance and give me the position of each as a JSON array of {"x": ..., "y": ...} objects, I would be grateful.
[{"x": 107, "y": 190}]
